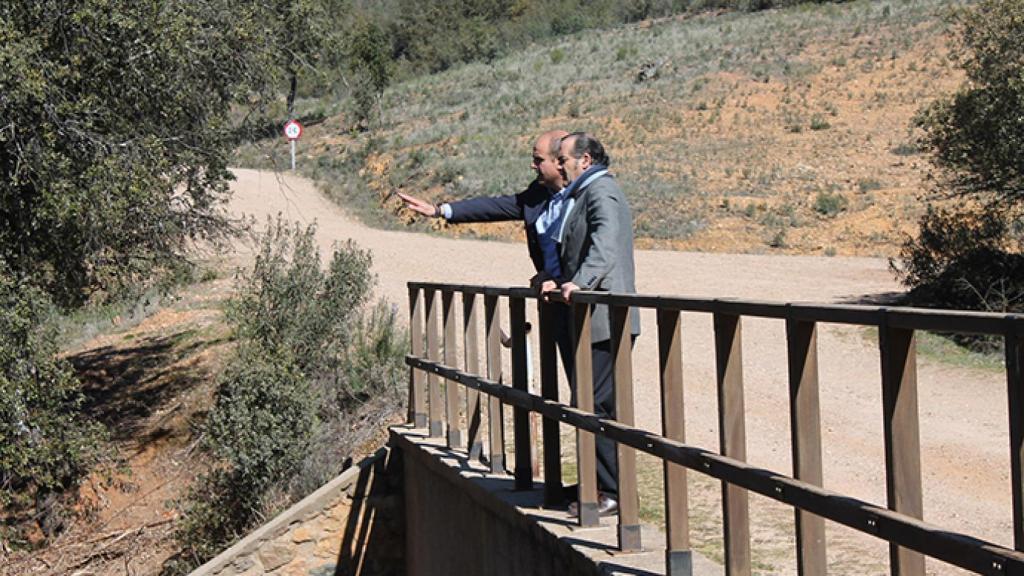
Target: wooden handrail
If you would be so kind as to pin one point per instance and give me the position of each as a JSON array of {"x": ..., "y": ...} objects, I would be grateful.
[
  {"x": 900, "y": 524},
  {"x": 910, "y": 318},
  {"x": 959, "y": 549}
]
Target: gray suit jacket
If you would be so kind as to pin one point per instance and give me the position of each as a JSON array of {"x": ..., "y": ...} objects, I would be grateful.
[{"x": 597, "y": 248}]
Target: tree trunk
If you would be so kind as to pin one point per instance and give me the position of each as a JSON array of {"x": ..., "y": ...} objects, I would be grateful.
[{"x": 291, "y": 93}]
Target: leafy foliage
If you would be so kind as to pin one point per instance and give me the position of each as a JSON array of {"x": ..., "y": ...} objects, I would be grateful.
[
  {"x": 965, "y": 255},
  {"x": 117, "y": 131},
  {"x": 309, "y": 366},
  {"x": 258, "y": 431},
  {"x": 960, "y": 259},
  {"x": 976, "y": 136},
  {"x": 299, "y": 35},
  {"x": 829, "y": 204},
  {"x": 292, "y": 309},
  {"x": 369, "y": 58},
  {"x": 46, "y": 444}
]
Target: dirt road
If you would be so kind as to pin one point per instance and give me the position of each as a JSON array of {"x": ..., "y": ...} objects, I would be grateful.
[{"x": 965, "y": 454}]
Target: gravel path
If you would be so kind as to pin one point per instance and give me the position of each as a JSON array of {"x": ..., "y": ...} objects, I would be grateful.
[{"x": 963, "y": 411}]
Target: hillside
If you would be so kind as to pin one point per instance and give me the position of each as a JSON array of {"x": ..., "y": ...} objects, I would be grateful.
[{"x": 784, "y": 130}]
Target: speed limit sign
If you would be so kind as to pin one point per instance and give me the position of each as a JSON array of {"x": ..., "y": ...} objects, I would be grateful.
[{"x": 292, "y": 130}]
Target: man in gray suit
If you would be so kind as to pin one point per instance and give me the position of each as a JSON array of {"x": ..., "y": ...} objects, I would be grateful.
[{"x": 596, "y": 253}]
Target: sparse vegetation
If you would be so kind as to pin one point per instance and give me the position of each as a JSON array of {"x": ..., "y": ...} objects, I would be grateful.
[{"x": 712, "y": 125}]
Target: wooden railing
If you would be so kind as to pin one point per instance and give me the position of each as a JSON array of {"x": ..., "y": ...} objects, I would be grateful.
[{"x": 900, "y": 524}]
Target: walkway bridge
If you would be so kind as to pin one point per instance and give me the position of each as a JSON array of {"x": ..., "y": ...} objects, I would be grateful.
[{"x": 479, "y": 498}]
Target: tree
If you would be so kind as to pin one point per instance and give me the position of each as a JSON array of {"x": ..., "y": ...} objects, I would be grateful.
[
  {"x": 976, "y": 136},
  {"x": 115, "y": 133},
  {"x": 965, "y": 255},
  {"x": 301, "y": 34},
  {"x": 369, "y": 59}
]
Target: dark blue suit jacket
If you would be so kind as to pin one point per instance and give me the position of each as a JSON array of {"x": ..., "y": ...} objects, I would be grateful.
[{"x": 526, "y": 206}]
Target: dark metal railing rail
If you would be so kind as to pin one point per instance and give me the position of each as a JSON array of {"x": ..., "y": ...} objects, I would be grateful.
[{"x": 900, "y": 524}]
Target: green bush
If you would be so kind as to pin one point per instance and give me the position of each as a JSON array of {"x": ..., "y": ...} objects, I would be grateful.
[
  {"x": 290, "y": 307},
  {"x": 312, "y": 378},
  {"x": 263, "y": 418},
  {"x": 818, "y": 122},
  {"x": 959, "y": 260},
  {"x": 830, "y": 204},
  {"x": 46, "y": 444}
]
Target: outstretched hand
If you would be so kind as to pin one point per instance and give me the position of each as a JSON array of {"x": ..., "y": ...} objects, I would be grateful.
[{"x": 419, "y": 206}]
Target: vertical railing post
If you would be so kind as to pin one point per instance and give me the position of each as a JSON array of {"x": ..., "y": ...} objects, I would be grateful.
[
  {"x": 732, "y": 438},
  {"x": 583, "y": 381},
  {"x": 1015, "y": 399},
  {"x": 678, "y": 556},
  {"x": 622, "y": 374},
  {"x": 902, "y": 437},
  {"x": 805, "y": 428},
  {"x": 417, "y": 378},
  {"x": 495, "y": 418},
  {"x": 434, "y": 355},
  {"x": 451, "y": 359},
  {"x": 520, "y": 416},
  {"x": 553, "y": 495},
  {"x": 472, "y": 355}
]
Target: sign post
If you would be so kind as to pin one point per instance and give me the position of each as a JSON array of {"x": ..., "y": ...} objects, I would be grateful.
[{"x": 292, "y": 131}]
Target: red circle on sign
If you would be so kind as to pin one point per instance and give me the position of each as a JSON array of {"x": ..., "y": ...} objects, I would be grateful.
[{"x": 293, "y": 130}]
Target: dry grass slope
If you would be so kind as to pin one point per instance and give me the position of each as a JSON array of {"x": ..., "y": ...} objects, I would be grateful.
[{"x": 785, "y": 130}]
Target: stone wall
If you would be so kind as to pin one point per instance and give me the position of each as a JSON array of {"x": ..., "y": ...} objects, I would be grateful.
[
  {"x": 463, "y": 520},
  {"x": 352, "y": 526}
]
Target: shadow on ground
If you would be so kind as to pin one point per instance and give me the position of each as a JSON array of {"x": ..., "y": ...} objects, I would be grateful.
[
  {"x": 878, "y": 299},
  {"x": 126, "y": 385}
]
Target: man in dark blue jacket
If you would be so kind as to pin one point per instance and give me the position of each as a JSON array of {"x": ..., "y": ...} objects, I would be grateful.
[{"x": 529, "y": 205}]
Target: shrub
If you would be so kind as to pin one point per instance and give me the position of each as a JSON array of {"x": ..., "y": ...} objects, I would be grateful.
[
  {"x": 959, "y": 260},
  {"x": 289, "y": 307},
  {"x": 976, "y": 135},
  {"x": 818, "y": 122},
  {"x": 46, "y": 444},
  {"x": 830, "y": 204},
  {"x": 258, "y": 430},
  {"x": 865, "y": 185},
  {"x": 312, "y": 378}
]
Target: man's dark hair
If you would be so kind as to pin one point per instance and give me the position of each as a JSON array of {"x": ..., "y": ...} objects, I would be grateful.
[{"x": 585, "y": 143}]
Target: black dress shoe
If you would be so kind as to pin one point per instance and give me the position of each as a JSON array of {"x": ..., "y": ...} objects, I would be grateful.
[
  {"x": 571, "y": 492},
  {"x": 607, "y": 505}
]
